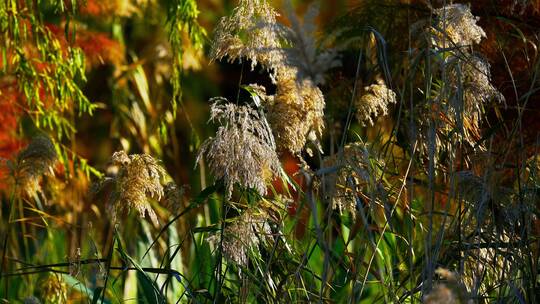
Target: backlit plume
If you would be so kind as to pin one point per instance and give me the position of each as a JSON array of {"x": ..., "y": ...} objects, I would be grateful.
[
  {"x": 456, "y": 25},
  {"x": 243, "y": 150}
]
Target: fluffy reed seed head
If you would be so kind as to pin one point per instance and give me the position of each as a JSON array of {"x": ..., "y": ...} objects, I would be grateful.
[
  {"x": 374, "y": 102},
  {"x": 251, "y": 32},
  {"x": 37, "y": 159},
  {"x": 457, "y": 24},
  {"x": 243, "y": 150},
  {"x": 297, "y": 111},
  {"x": 139, "y": 178},
  {"x": 173, "y": 196},
  {"x": 243, "y": 235},
  {"x": 305, "y": 52},
  {"x": 53, "y": 289},
  {"x": 475, "y": 81},
  {"x": 240, "y": 35},
  {"x": 452, "y": 291},
  {"x": 350, "y": 177},
  {"x": 472, "y": 78}
]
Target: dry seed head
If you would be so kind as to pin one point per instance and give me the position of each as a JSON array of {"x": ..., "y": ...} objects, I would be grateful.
[
  {"x": 305, "y": 54},
  {"x": 374, "y": 102},
  {"x": 239, "y": 36},
  {"x": 243, "y": 150},
  {"x": 37, "y": 159},
  {"x": 475, "y": 79},
  {"x": 469, "y": 87},
  {"x": 452, "y": 291},
  {"x": 297, "y": 112},
  {"x": 243, "y": 235},
  {"x": 138, "y": 179},
  {"x": 472, "y": 79},
  {"x": 459, "y": 26},
  {"x": 53, "y": 289},
  {"x": 349, "y": 178},
  {"x": 172, "y": 198}
]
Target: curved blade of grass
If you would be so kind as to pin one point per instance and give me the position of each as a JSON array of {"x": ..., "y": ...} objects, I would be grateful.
[{"x": 150, "y": 290}]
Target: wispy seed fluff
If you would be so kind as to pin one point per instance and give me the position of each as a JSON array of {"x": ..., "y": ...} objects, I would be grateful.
[
  {"x": 173, "y": 196},
  {"x": 37, "y": 159},
  {"x": 297, "y": 112},
  {"x": 450, "y": 291},
  {"x": 457, "y": 26},
  {"x": 243, "y": 150},
  {"x": 350, "y": 177},
  {"x": 239, "y": 35},
  {"x": 305, "y": 52},
  {"x": 470, "y": 78},
  {"x": 374, "y": 102},
  {"x": 53, "y": 289},
  {"x": 138, "y": 179},
  {"x": 251, "y": 32},
  {"x": 242, "y": 235}
]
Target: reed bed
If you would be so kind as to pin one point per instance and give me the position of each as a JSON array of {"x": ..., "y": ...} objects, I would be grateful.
[{"x": 263, "y": 152}]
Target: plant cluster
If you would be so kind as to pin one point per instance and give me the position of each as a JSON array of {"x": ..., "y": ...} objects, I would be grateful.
[{"x": 384, "y": 153}]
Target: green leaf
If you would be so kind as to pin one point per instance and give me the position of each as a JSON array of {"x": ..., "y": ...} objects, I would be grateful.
[
  {"x": 150, "y": 290},
  {"x": 80, "y": 287}
]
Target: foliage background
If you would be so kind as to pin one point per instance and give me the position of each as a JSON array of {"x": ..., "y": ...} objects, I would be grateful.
[{"x": 97, "y": 77}]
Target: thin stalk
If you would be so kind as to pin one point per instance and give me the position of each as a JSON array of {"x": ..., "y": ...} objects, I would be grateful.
[
  {"x": 4, "y": 245},
  {"x": 108, "y": 265}
]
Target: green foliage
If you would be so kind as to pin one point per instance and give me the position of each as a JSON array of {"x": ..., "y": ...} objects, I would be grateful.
[
  {"x": 48, "y": 75},
  {"x": 182, "y": 19}
]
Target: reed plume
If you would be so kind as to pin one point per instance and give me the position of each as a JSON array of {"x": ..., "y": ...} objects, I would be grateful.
[
  {"x": 36, "y": 160},
  {"x": 243, "y": 149},
  {"x": 138, "y": 180},
  {"x": 242, "y": 235},
  {"x": 456, "y": 26},
  {"x": 374, "y": 102},
  {"x": 238, "y": 37}
]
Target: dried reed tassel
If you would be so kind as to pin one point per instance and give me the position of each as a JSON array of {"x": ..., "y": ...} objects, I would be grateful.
[
  {"x": 310, "y": 57},
  {"x": 53, "y": 289},
  {"x": 374, "y": 102},
  {"x": 456, "y": 26},
  {"x": 297, "y": 114},
  {"x": 243, "y": 150},
  {"x": 239, "y": 37},
  {"x": 243, "y": 235},
  {"x": 251, "y": 32},
  {"x": 37, "y": 159},
  {"x": 452, "y": 291},
  {"x": 351, "y": 177},
  {"x": 173, "y": 196},
  {"x": 138, "y": 179},
  {"x": 470, "y": 80},
  {"x": 467, "y": 84},
  {"x": 297, "y": 111}
]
